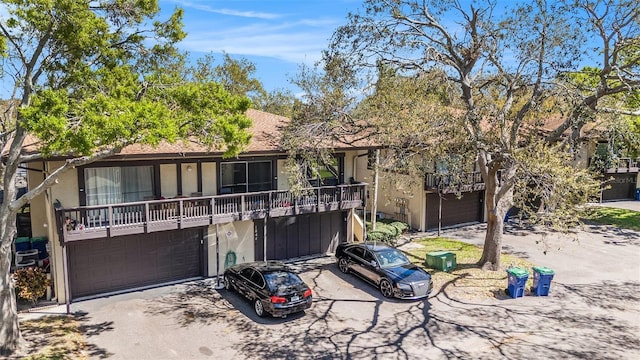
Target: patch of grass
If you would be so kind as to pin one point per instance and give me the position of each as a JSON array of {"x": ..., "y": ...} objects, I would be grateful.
[
  {"x": 467, "y": 280},
  {"x": 622, "y": 218},
  {"x": 54, "y": 337}
]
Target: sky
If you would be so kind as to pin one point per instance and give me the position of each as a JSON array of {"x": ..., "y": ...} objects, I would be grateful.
[{"x": 276, "y": 35}]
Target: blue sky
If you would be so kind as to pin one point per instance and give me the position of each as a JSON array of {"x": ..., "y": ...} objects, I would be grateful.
[{"x": 276, "y": 35}]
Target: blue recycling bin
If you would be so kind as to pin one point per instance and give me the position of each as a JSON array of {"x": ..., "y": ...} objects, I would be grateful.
[
  {"x": 542, "y": 277},
  {"x": 516, "y": 281},
  {"x": 638, "y": 194},
  {"x": 40, "y": 243},
  {"x": 22, "y": 244}
]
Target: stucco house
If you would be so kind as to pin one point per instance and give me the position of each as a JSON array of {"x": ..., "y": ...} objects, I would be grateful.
[{"x": 150, "y": 216}]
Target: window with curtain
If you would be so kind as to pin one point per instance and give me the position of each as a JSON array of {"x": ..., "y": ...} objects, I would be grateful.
[{"x": 112, "y": 185}]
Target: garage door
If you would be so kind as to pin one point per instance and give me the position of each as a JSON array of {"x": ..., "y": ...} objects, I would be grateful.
[
  {"x": 302, "y": 235},
  {"x": 454, "y": 211},
  {"x": 622, "y": 187},
  {"x": 125, "y": 262}
]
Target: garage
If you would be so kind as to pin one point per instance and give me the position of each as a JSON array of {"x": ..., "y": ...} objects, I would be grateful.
[
  {"x": 125, "y": 262},
  {"x": 623, "y": 187},
  {"x": 302, "y": 235},
  {"x": 455, "y": 211}
]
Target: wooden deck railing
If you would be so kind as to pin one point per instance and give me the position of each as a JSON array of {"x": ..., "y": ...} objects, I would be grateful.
[
  {"x": 469, "y": 181},
  {"x": 91, "y": 222},
  {"x": 625, "y": 165}
]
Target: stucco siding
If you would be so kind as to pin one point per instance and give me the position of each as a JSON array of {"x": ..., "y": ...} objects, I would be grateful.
[
  {"x": 169, "y": 182},
  {"x": 236, "y": 237}
]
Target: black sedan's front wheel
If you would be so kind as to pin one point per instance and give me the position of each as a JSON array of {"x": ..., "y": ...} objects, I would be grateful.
[
  {"x": 386, "y": 288},
  {"x": 258, "y": 307},
  {"x": 227, "y": 284},
  {"x": 343, "y": 265}
]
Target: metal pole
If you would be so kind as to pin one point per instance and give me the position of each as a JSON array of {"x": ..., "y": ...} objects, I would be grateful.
[
  {"x": 439, "y": 212},
  {"x": 218, "y": 286},
  {"x": 264, "y": 240},
  {"x": 65, "y": 270}
]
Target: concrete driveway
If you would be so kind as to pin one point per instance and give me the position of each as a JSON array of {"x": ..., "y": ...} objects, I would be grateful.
[{"x": 593, "y": 312}]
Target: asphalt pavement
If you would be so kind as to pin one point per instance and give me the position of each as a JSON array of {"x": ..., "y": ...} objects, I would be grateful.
[{"x": 592, "y": 311}]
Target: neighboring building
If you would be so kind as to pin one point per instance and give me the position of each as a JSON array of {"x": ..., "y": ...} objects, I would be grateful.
[
  {"x": 149, "y": 216},
  {"x": 429, "y": 202},
  {"x": 619, "y": 173}
]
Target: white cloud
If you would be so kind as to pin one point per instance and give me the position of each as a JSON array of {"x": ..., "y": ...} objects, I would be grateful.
[{"x": 231, "y": 12}]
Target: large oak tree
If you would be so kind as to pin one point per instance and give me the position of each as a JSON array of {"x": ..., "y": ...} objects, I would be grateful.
[
  {"x": 88, "y": 78},
  {"x": 494, "y": 80}
]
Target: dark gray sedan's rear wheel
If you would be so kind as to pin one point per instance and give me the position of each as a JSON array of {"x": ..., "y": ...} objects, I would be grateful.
[
  {"x": 259, "y": 308},
  {"x": 343, "y": 265},
  {"x": 386, "y": 288}
]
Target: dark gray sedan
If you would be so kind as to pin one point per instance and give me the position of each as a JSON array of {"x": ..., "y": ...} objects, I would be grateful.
[
  {"x": 385, "y": 267},
  {"x": 271, "y": 286}
]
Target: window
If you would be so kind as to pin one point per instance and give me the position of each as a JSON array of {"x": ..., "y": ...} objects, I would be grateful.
[
  {"x": 112, "y": 185},
  {"x": 242, "y": 177},
  {"x": 328, "y": 173}
]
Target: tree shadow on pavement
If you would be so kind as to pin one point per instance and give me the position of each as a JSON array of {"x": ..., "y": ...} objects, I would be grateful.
[{"x": 351, "y": 320}]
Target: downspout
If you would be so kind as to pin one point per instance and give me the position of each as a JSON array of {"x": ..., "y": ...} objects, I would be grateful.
[{"x": 374, "y": 205}]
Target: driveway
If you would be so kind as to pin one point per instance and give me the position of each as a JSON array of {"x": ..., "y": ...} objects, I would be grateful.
[{"x": 593, "y": 311}]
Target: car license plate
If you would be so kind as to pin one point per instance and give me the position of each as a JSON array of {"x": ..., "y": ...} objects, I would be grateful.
[{"x": 295, "y": 298}]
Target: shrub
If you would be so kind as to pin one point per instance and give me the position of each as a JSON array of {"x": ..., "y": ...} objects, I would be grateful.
[
  {"x": 387, "y": 232},
  {"x": 31, "y": 283}
]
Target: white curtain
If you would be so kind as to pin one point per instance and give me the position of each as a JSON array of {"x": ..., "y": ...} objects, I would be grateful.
[
  {"x": 112, "y": 185},
  {"x": 102, "y": 186}
]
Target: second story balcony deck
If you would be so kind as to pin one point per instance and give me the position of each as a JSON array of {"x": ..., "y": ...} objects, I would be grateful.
[
  {"x": 624, "y": 165},
  {"x": 92, "y": 222},
  {"x": 465, "y": 182}
]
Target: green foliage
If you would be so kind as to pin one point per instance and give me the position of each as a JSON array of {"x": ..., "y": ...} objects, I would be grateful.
[
  {"x": 31, "y": 283},
  {"x": 237, "y": 77},
  {"x": 550, "y": 189},
  {"x": 387, "y": 231}
]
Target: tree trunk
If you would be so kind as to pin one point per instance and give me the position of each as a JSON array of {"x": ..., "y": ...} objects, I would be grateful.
[
  {"x": 496, "y": 206},
  {"x": 11, "y": 340}
]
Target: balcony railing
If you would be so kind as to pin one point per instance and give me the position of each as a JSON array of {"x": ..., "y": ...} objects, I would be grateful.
[
  {"x": 91, "y": 222},
  {"x": 465, "y": 182},
  {"x": 624, "y": 165}
]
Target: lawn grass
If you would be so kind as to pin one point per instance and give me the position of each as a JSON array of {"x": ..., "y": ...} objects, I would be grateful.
[
  {"x": 467, "y": 280},
  {"x": 622, "y": 218},
  {"x": 54, "y": 337}
]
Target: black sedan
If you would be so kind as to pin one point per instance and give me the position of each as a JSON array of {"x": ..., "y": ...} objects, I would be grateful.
[
  {"x": 271, "y": 286},
  {"x": 385, "y": 267}
]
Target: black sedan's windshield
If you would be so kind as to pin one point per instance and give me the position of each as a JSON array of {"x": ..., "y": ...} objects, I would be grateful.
[{"x": 391, "y": 258}]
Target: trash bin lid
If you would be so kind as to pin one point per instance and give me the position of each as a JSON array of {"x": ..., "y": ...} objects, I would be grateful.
[
  {"x": 518, "y": 272},
  {"x": 543, "y": 270},
  {"x": 439, "y": 253}
]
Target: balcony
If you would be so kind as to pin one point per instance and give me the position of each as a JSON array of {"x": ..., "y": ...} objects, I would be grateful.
[
  {"x": 92, "y": 222},
  {"x": 448, "y": 184},
  {"x": 624, "y": 165}
]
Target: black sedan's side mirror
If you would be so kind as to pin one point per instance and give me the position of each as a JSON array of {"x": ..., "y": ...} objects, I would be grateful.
[{"x": 374, "y": 263}]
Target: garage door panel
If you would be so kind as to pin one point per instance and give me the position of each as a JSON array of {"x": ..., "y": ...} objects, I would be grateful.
[
  {"x": 455, "y": 210},
  {"x": 621, "y": 187},
  {"x": 119, "y": 263},
  {"x": 301, "y": 235}
]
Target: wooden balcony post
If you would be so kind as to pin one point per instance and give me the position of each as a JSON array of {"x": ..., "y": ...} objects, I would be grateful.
[{"x": 110, "y": 217}]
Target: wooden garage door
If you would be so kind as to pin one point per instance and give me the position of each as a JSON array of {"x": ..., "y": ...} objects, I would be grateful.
[
  {"x": 454, "y": 211},
  {"x": 302, "y": 235},
  {"x": 124, "y": 262},
  {"x": 622, "y": 187}
]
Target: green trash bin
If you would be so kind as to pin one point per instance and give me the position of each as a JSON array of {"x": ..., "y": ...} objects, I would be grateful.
[{"x": 441, "y": 260}]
